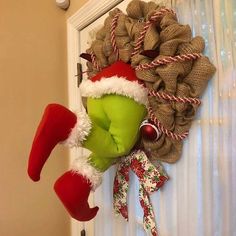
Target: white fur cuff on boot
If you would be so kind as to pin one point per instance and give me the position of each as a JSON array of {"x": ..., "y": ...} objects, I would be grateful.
[
  {"x": 84, "y": 168},
  {"x": 80, "y": 131}
]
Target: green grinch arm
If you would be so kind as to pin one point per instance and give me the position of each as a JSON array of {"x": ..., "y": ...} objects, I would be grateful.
[{"x": 115, "y": 128}]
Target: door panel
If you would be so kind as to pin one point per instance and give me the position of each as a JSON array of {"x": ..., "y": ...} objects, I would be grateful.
[{"x": 103, "y": 195}]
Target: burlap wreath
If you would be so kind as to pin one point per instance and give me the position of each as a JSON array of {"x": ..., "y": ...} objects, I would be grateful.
[{"x": 185, "y": 79}]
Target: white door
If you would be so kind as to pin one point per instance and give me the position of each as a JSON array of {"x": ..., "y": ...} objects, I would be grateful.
[{"x": 199, "y": 198}]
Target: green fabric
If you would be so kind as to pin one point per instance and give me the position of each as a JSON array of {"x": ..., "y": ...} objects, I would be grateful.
[{"x": 115, "y": 128}]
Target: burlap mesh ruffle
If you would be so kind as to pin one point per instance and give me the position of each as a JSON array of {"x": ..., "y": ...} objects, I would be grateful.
[{"x": 186, "y": 79}]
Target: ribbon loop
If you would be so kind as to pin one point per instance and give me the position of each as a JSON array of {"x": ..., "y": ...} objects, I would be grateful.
[
  {"x": 120, "y": 189},
  {"x": 151, "y": 178}
]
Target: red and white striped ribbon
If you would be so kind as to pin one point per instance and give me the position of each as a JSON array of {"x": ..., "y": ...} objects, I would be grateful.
[
  {"x": 113, "y": 37},
  {"x": 94, "y": 61},
  {"x": 169, "y": 59},
  {"x": 173, "y": 98},
  {"x": 167, "y": 132},
  {"x": 157, "y": 14}
]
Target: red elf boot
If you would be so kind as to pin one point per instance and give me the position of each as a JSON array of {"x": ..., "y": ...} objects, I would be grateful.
[
  {"x": 55, "y": 126},
  {"x": 73, "y": 190}
]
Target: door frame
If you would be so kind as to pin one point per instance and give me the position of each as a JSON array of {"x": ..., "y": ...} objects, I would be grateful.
[{"x": 87, "y": 14}]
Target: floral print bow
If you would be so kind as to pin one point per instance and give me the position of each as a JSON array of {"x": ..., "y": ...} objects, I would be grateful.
[{"x": 151, "y": 178}]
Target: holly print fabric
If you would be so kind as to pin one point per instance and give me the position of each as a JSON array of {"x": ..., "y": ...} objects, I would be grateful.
[{"x": 151, "y": 178}]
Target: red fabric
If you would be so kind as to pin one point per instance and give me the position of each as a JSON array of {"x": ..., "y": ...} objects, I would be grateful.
[
  {"x": 55, "y": 126},
  {"x": 73, "y": 190},
  {"x": 120, "y": 69}
]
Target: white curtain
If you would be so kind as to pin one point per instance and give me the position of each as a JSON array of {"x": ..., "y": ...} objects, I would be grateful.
[{"x": 200, "y": 197}]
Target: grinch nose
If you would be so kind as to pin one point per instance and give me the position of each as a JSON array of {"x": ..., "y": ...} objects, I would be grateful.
[{"x": 149, "y": 131}]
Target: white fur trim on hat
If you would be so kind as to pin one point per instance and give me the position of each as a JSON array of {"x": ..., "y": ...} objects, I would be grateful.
[
  {"x": 84, "y": 168},
  {"x": 80, "y": 131},
  {"x": 115, "y": 85}
]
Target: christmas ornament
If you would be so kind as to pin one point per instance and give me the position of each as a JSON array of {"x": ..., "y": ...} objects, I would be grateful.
[{"x": 149, "y": 131}]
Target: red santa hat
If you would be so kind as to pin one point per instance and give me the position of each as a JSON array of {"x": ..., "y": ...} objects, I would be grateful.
[{"x": 119, "y": 78}]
